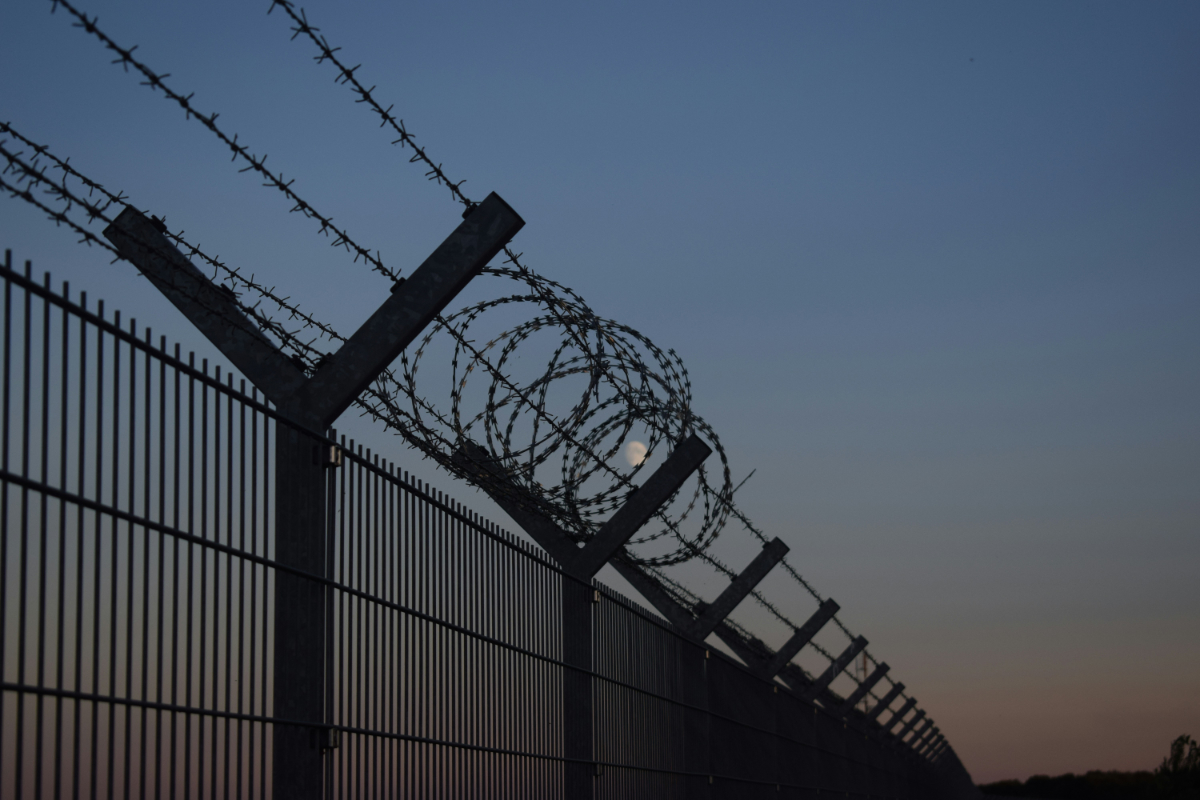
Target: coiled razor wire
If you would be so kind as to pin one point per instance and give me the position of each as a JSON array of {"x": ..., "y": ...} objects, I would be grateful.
[{"x": 628, "y": 384}]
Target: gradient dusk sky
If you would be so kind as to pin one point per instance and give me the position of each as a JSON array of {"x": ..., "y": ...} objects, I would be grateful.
[{"x": 934, "y": 269}]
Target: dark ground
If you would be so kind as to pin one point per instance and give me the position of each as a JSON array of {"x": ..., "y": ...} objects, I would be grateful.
[{"x": 1177, "y": 778}]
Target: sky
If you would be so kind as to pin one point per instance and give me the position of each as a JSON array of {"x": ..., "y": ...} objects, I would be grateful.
[{"x": 932, "y": 267}]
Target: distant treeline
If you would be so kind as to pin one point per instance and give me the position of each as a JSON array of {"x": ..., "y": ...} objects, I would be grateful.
[{"x": 1177, "y": 778}]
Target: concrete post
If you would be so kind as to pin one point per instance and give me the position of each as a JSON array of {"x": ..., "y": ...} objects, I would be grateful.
[{"x": 310, "y": 405}]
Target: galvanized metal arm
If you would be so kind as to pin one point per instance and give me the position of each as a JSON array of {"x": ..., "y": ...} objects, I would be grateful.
[
  {"x": 801, "y": 637},
  {"x": 886, "y": 701},
  {"x": 869, "y": 683},
  {"x": 899, "y": 715},
  {"x": 908, "y": 726},
  {"x": 838, "y": 666},
  {"x": 585, "y": 561}
]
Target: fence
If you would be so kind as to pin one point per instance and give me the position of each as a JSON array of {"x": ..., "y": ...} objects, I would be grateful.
[{"x": 139, "y": 578}]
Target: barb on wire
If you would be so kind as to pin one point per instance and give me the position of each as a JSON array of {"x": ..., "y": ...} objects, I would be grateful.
[
  {"x": 386, "y": 118},
  {"x": 240, "y": 152}
]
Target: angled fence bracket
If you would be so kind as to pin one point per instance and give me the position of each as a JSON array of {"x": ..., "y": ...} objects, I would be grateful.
[
  {"x": 585, "y": 561},
  {"x": 919, "y": 733},
  {"x": 899, "y": 715},
  {"x": 867, "y": 685},
  {"x": 908, "y": 726},
  {"x": 882, "y": 705},
  {"x": 801, "y": 637},
  {"x": 839, "y": 664},
  {"x": 716, "y": 612},
  {"x": 641, "y": 505}
]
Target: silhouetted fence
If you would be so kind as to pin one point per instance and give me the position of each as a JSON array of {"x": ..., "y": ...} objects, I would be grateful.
[{"x": 139, "y": 582}]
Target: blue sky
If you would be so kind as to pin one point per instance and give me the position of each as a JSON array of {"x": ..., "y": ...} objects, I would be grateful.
[{"x": 932, "y": 267}]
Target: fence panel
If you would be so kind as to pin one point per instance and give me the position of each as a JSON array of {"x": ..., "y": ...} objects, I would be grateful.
[
  {"x": 137, "y": 600},
  {"x": 135, "y": 562}
]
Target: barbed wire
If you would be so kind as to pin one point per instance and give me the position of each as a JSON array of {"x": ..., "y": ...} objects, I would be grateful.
[
  {"x": 641, "y": 402},
  {"x": 347, "y": 77},
  {"x": 240, "y": 152},
  {"x": 578, "y": 524}
]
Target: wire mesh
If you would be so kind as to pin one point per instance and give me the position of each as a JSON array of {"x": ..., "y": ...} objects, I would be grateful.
[{"x": 137, "y": 577}]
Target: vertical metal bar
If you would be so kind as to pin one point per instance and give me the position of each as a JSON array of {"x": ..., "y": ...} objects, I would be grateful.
[
  {"x": 131, "y": 480},
  {"x": 244, "y": 678},
  {"x": 147, "y": 438},
  {"x": 203, "y": 532},
  {"x": 255, "y": 570},
  {"x": 81, "y": 461},
  {"x": 98, "y": 529},
  {"x": 160, "y": 639},
  {"x": 39, "y": 763},
  {"x": 114, "y": 527},
  {"x": 358, "y": 656},
  {"x": 4, "y": 460},
  {"x": 60, "y": 628},
  {"x": 344, "y": 607},
  {"x": 175, "y": 545},
  {"x": 394, "y": 637},
  {"x": 189, "y": 589},
  {"x": 226, "y": 705},
  {"x": 23, "y": 553}
]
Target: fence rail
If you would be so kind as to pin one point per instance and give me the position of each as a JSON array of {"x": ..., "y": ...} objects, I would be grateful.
[{"x": 138, "y": 602}]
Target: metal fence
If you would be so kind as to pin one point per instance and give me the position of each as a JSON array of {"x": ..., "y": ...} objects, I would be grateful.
[{"x": 138, "y": 608}]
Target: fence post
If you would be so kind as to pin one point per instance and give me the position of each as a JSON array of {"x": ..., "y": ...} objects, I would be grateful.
[
  {"x": 580, "y": 770},
  {"x": 579, "y": 565},
  {"x": 299, "y": 615},
  {"x": 310, "y": 404}
]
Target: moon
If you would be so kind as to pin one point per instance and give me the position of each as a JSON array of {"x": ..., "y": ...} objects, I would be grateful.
[{"x": 635, "y": 453}]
